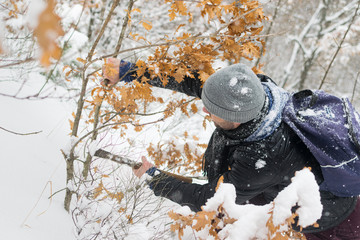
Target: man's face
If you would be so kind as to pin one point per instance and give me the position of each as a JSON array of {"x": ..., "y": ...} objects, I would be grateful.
[{"x": 221, "y": 123}]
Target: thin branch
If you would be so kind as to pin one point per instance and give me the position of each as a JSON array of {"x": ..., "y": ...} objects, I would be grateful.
[
  {"x": 268, "y": 32},
  {"x": 125, "y": 23},
  {"x": 109, "y": 125},
  {"x": 11, "y": 10},
  {"x": 195, "y": 37},
  {"x": 339, "y": 47},
  {"x": 353, "y": 93},
  {"x": 120, "y": 113},
  {"x": 86, "y": 79},
  {"x": 91, "y": 52},
  {"x": 22, "y": 134},
  {"x": 80, "y": 105},
  {"x": 56, "y": 193},
  {"x": 17, "y": 62},
  {"x": 304, "y": 32},
  {"x": 336, "y": 15},
  {"x": 31, "y": 97},
  {"x": 169, "y": 43},
  {"x": 99, "y": 104},
  {"x": 336, "y": 25},
  {"x": 302, "y": 47}
]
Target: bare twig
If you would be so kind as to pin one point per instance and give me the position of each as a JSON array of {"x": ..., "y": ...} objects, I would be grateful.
[
  {"x": 58, "y": 191},
  {"x": 195, "y": 37},
  {"x": 125, "y": 23},
  {"x": 17, "y": 62},
  {"x": 110, "y": 125},
  {"x": 31, "y": 97},
  {"x": 313, "y": 20},
  {"x": 354, "y": 89},
  {"x": 70, "y": 159},
  {"x": 339, "y": 47},
  {"x": 268, "y": 32},
  {"x": 37, "y": 202},
  {"x": 99, "y": 104},
  {"x": 91, "y": 52},
  {"x": 173, "y": 42},
  {"x": 22, "y": 134},
  {"x": 119, "y": 113}
]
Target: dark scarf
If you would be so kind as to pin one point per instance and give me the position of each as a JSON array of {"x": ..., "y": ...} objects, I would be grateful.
[{"x": 215, "y": 161}]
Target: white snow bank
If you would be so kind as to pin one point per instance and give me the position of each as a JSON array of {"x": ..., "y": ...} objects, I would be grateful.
[{"x": 32, "y": 168}]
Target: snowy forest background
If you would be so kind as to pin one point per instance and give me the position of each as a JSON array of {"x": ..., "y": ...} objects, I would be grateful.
[{"x": 55, "y": 113}]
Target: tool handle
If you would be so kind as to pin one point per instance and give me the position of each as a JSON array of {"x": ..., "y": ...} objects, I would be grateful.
[
  {"x": 178, "y": 177},
  {"x": 122, "y": 160},
  {"x": 137, "y": 165},
  {"x": 106, "y": 82}
]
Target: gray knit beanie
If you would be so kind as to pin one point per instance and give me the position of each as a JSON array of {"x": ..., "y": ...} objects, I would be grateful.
[{"x": 234, "y": 93}]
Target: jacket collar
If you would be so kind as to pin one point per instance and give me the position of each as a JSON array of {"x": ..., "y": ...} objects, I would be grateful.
[{"x": 247, "y": 129}]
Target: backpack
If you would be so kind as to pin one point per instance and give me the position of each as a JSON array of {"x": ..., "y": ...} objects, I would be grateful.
[{"x": 330, "y": 127}]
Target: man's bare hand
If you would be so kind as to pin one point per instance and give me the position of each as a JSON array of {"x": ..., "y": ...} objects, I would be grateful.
[
  {"x": 144, "y": 167},
  {"x": 110, "y": 71}
]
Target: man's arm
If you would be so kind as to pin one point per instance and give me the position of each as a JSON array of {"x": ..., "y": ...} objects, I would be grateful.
[
  {"x": 191, "y": 86},
  {"x": 186, "y": 194},
  {"x": 117, "y": 70}
]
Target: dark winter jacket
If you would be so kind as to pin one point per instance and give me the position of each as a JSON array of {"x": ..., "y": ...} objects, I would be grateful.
[{"x": 259, "y": 170}]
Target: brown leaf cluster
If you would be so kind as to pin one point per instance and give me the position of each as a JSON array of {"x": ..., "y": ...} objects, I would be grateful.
[
  {"x": 47, "y": 32},
  {"x": 214, "y": 221},
  {"x": 178, "y": 58},
  {"x": 101, "y": 190},
  {"x": 274, "y": 232},
  {"x": 12, "y": 7},
  {"x": 169, "y": 155},
  {"x": 236, "y": 40}
]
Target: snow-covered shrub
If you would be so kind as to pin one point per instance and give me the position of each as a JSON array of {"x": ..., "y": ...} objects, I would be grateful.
[{"x": 221, "y": 218}]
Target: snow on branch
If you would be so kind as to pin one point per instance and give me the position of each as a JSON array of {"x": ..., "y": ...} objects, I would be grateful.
[
  {"x": 337, "y": 15},
  {"x": 313, "y": 21}
]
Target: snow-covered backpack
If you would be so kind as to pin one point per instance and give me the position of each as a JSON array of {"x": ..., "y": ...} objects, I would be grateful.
[{"x": 330, "y": 128}]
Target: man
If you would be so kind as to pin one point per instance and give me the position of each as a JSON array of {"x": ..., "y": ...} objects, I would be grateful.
[{"x": 251, "y": 147}]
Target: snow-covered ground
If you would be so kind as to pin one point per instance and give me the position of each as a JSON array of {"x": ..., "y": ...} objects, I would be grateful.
[{"x": 32, "y": 166}]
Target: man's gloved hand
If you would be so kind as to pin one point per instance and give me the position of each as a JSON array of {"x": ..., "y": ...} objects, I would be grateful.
[{"x": 115, "y": 69}]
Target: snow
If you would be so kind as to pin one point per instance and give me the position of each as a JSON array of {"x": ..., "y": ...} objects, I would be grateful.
[
  {"x": 308, "y": 112},
  {"x": 260, "y": 164},
  {"x": 32, "y": 168},
  {"x": 245, "y": 90},
  {"x": 34, "y": 10},
  {"x": 2, "y": 31},
  {"x": 233, "y": 82},
  {"x": 304, "y": 191},
  {"x": 251, "y": 220}
]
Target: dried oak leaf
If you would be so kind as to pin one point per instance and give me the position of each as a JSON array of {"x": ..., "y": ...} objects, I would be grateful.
[{"x": 47, "y": 31}]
